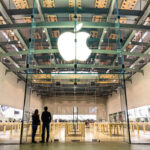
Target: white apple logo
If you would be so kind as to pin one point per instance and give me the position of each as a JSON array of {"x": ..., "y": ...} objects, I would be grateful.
[{"x": 66, "y": 46}]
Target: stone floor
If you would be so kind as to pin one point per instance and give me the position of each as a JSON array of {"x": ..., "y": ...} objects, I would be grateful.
[
  {"x": 90, "y": 134},
  {"x": 75, "y": 146}
]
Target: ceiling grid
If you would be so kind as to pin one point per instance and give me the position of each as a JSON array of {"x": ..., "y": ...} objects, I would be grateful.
[{"x": 55, "y": 17}]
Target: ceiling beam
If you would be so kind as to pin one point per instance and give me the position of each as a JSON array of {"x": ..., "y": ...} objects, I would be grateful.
[
  {"x": 21, "y": 76},
  {"x": 147, "y": 52},
  {"x": 140, "y": 43},
  {"x": 2, "y": 51},
  {"x": 71, "y": 66},
  {"x": 98, "y": 11},
  {"x": 70, "y": 24},
  {"x": 43, "y": 19},
  {"x": 52, "y": 51},
  {"x": 89, "y": 41},
  {"x": 9, "y": 20},
  {"x": 43, "y": 41},
  {"x": 107, "y": 20},
  {"x": 38, "y": 5},
  {"x": 140, "y": 21}
]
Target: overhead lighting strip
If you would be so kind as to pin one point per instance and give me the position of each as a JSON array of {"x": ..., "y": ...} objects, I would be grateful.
[
  {"x": 21, "y": 4},
  {"x": 72, "y": 3},
  {"x": 127, "y": 4},
  {"x": 52, "y": 18},
  {"x": 138, "y": 36},
  {"x": 49, "y": 3},
  {"x": 99, "y": 4}
]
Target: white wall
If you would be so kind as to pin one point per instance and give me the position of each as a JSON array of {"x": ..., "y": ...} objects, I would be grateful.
[
  {"x": 12, "y": 93},
  {"x": 138, "y": 93},
  {"x": 64, "y": 105}
]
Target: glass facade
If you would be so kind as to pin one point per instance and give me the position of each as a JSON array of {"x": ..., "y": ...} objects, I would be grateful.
[
  {"x": 31, "y": 60},
  {"x": 55, "y": 70}
]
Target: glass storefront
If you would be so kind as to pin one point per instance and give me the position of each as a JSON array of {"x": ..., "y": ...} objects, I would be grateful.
[{"x": 48, "y": 74}]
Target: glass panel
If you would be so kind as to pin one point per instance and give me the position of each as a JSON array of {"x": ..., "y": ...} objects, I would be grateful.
[
  {"x": 105, "y": 31},
  {"x": 26, "y": 130},
  {"x": 10, "y": 124},
  {"x": 49, "y": 73},
  {"x": 121, "y": 77},
  {"x": 139, "y": 124}
]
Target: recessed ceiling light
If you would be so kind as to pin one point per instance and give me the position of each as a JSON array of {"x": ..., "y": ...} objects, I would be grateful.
[
  {"x": 105, "y": 31},
  {"x": 12, "y": 33}
]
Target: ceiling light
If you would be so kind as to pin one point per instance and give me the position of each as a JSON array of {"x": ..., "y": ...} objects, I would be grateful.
[
  {"x": 17, "y": 65},
  {"x": 136, "y": 34},
  {"x": 15, "y": 47},
  {"x": 107, "y": 71},
  {"x": 12, "y": 33},
  {"x": 144, "y": 35},
  {"x": 105, "y": 31},
  {"x": 132, "y": 66},
  {"x": 41, "y": 71},
  {"x": 79, "y": 27},
  {"x": 18, "y": 42},
  {"x": 5, "y": 35}
]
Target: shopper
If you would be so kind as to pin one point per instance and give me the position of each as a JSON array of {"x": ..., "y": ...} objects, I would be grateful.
[
  {"x": 35, "y": 123},
  {"x": 46, "y": 119}
]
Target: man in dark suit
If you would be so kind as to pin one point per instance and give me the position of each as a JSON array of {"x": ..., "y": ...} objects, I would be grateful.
[{"x": 46, "y": 119}]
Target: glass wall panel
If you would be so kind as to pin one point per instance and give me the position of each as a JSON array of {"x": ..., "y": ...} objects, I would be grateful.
[
  {"x": 52, "y": 72},
  {"x": 26, "y": 130}
]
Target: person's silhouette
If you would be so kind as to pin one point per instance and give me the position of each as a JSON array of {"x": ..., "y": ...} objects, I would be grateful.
[
  {"x": 46, "y": 119},
  {"x": 35, "y": 123}
]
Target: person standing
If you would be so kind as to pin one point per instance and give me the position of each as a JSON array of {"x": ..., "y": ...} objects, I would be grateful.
[
  {"x": 35, "y": 123},
  {"x": 46, "y": 119}
]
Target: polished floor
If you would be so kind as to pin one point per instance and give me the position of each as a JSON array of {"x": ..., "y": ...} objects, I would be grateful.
[
  {"x": 90, "y": 134},
  {"x": 75, "y": 146}
]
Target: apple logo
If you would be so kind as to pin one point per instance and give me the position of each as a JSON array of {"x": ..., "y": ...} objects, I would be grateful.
[{"x": 66, "y": 45}]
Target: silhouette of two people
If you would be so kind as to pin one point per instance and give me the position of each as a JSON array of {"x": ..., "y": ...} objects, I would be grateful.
[{"x": 46, "y": 119}]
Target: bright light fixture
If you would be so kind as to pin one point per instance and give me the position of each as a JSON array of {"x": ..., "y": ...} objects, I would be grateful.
[
  {"x": 78, "y": 27},
  {"x": 67, "y": 49}
]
